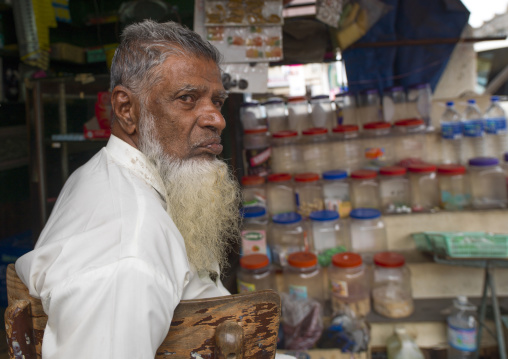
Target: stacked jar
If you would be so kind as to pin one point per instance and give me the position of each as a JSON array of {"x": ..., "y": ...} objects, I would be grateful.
[
  {"x": 286, "y": 153},
  {"x": 308, "y": 193},
  {"x": 328, "y": 235},
  {"x": 336, "y": 192},
  {"x": 369, "y": 109},
  {"x": 488, "y": 184},
  {"x": 346, "y": 148},
  {"x": 345, "y": 104},
  {"x": 253, "y": 191},
  {"x": 323, "y": 112},
  {"x": 410, "y": 144},
  {"x": 298, "y": 114},
  {"x": 453, "y": 187},
  {"x": 303, "y": 278},
  {"x": 286, "y": 235},
  {"x": 255, "y": 273},
  {"x": 257, "y": 151},
  {"x": 394, "y": 190},
  {"x": 280, "y": 196},
  {"x": 394, "y": 104},
  {"x": 424, "y": 188},
  {"x": 252, "y": 115},
  {"x": 316, "y": 150},
  {"x": 377, "y": 149},
  {"x": 254, "y": 228},
  {"x": 368, "y": 232},
  {"x": 365, "y": 189},
  {"x": 276, "y": 115}
]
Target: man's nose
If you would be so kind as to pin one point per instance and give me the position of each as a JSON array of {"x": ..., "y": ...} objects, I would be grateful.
[{"x": 212, "y": 117}]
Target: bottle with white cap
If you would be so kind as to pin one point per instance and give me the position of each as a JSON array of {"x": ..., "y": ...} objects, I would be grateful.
[{"x": 462, "y": 329}]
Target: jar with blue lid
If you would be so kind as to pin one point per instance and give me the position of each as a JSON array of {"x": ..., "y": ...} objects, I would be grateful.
[
  {"x": 336, "y": 192},
  {"x": 286, "y": 235},
  {"x": 328, "y": 235},
  {"x": 488, "y": 183},
  {"x": 368, "y": 232},
  {"x": 254, "y": 231}
]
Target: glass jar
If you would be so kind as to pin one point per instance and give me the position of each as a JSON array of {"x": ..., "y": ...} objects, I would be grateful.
[
  {"x": 424, "y": 188},
  {"x": 308, "y": 193},
  {"x": 377, "y": 149},
  {"x": 316, "y": 150},
  {"x": 368, "y": 232},
  {"x": 252, "y": 115},
  {"x": 349, "y": 284},
  {"x": 419, "y": 102},
  {"x": 345, "y": 104},
  {"x": 253, "y": 233},
  {"x": 286, "y": 152},
  {"x": 336, "y": 192},
  {"x": 394, "y": 190},
  {"x": 410, "y": 142},
  {"x": 253, "y": 191},
  {"x": 298, "y": 114},
  {"x": 365, "y": 189},
  {"x": 257, "y": 152},
  {"x": 328, "y": 235},
  {"x": 286, "y": 235},
  {"x": 369, "y": 109},
  {"x": 391, "y": 289},
  {"x": 346, "y": 148},
  {"x": 488, "y": 184},
  {"x": 394, "y": 104},
  {"x": 280, "y": 195},
  {"x": 303, "y": 278},
  {"x": 255, "y": 273},
  {"x": 276, "y": 115},
  {"x": 323, "y": 112},
  {"x": 453, "y": 187}
]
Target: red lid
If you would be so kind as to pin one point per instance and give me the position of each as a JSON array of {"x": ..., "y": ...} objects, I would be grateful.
[
  {"x": 282, "y": 134},
  {"x": 422, "y": 168},
  {"x": 252, "y": 180},
  {"x": 347, "y": 260},
  {"x": 255, "y": 130},
  {"x": 345, "y": 128},
  {"x": 409, "y": 122},
  {"x": 392, "y": 171},
  {"x": 306, "y": 177},
  {"x": 449, "y": 170},
  {"x": 254, "y": 261},
  {"x": 279, "y": 177},
  {"x": 315, "y": 131},
  {"x": 389, "y": 259},
  {"x": 363, "y": 174},
  {"x": 376, "y": 125},
  {"x": 302, "y": 259},
  {"x": 297, "y": 99}
]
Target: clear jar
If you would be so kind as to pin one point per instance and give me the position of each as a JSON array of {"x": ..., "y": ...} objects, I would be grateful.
[
  {"x": 308, "y": 193},
  {"x": 394, "y": 190},
  {"x": 323, "y": 112},
  {"x": 257, "y": 152},
  {"x": 280, "y": 195},
  {"x": 424, "y": 188},
  {"x": 419, "y": 102},
  {"x": 286, "y": 152},
  {"x": 327, "y": 234},
  {"x": 316, "y": 150},
  {"x": 252, "y": 115},
  {"x": 365, "y": 189},
  {"x": 368, "y": 232},
  {"x": 253, "y": 191},
  {"x": 253, "y": 233},
  {"x": 346, "y": 148},
  {"x": 394, "y": 104},
  {"x": 453, "y": 187},
  {"x": 255, "y": 273},
  {"x": 276, "y": 115},
  {"x": 369, "y": 109},
  {"x": 336, "y": 192},
  {"x": 377, "y": 149},
  {"x": 345, "y": 104},
  {"x": 298, "y": 114},
  {"x": 410, "y": 142},
  {"x": 488, "y": 184},
  {"x": 349, "y": 284},
  {"x": 391, "y": 289},
  {"x": 286, "y": 235},
  {"x": 303, "y": 278}
]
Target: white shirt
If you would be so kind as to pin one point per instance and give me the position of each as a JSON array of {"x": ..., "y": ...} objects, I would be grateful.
[{"x": 110, "y": 265}]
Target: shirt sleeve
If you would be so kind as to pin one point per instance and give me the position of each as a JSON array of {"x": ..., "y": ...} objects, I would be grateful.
[{"x": 122, "y": 310}]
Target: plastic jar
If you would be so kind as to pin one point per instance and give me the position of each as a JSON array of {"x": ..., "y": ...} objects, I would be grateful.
[
  {"x": 424, "y": 187},
  {"x": 252, "y": 115},
  {"x": 336, "y": 192},
  {"x": 391, "y": 289},
  {"x": 253, "y": 191},
  {"x": 345, "y": 104},
  {"x": 327, "y": 235},
  {"x": 308, "y": 193},
  {"x": 346, "y": 148},
  {"x": 257, "y": 151},
  {"x": 365, "y": 189},
  {"x": 286, "y": 235},
  {"x": 276, "y": 115},
  {"x": 298, "y": 114},
  {"x": 419, "y": 102},
  {"x": 410, "y": 142},
  {"x": 286, "y": 152},
  {"x": 369, "y": 107},
  {"x": 253, "y": 233},
  {"x": 255, "y": 273},
  {"x": 394, "y": 190},
  {"x": 349, "y": 284},
  {"x": 394, "y": 104},
  {"x": 368, "y": 232},
  {"x": 453, "y": 187},
  {"x": 377, "y": 149},
  {"x": 303, "y": 277},
  {"x": 488, "y": 184},
  {"x": 316, "y": 150},
  {"x": 280, "y": 196},
  {"x": 323, "y": 112}
]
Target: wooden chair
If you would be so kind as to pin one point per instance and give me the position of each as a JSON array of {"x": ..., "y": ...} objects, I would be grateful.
[{"x": 231, "y": 327}]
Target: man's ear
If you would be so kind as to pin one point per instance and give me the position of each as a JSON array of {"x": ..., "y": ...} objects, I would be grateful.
[{"x": 125, "y": 108}]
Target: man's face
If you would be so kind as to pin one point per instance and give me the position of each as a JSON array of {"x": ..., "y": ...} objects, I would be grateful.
[{"x": 186, "y": 107}]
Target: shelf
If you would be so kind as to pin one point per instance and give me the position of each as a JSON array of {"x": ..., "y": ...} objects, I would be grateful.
[{"x": 19, "y": 162}]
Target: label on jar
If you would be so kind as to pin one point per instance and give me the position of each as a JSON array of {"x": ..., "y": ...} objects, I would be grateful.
[
  {"x": 338, "y": 205},
  {"x": 244, "y": 287},
  {"x": 473, "y": 128},
  {"x": 254, "y": 242},
  {"x": 495, "y": 125},
  {"x": 339, "y": 288},
  {"x": 462, "y": 339},
  {"x": 299, "y": 291},
  {"x": 258, "y": 161},
  {"x": 458, "y": 201},
  {"x": 374, "y": 153},
  {"x": 451, "y": 130}
]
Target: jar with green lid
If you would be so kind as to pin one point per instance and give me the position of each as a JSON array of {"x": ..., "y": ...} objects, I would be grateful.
[{"x": 255, "y": 273}]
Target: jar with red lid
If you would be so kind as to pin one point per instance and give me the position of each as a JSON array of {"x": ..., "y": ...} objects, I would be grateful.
[
  {"x": 391, "y": 288},
  {"x": 316, "y": 150},
  {"x": 298, "y": 114},
  {"x": 424, "y": 187},
  {"x": 349, "y": 284},
  {"x": 286, "y": 152},
  {"x": 346, "y": 148},
  {"x": 303, "y": 277},
  {"x": 378, "y": 150},
  {"x": 394, "y": 190},
  {"x": 253, "y": 191},
  {"x": 453, "y": 187},
  {"x": 280, "y": 195},
  {"x": 276, "y": 114},
  {"x": 255, "y": 273},
  {"x": 369, "y": 106},
  {"x": 410, "y": 140},
  {"x": 308, "y": 193},
  {"x": 256, "y": 151},
  {"x": 365, "y": 189}
]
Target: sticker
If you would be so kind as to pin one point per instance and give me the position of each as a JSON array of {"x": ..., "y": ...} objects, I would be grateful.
[
  {"x": 472, "y": 128},
  {"x": 299, "y": 291},
  {"x": 254, "y": 242},
  {"x": 496, "y": 125},
  {"x": 462, "y": 339},
  {"x": 451, "y": 130},
  {"x": 244, "y": 287},
  {"x": 337, "y": 205},
  {"x": 374, "y": 153},
  {"x": 339, "y": 288},
  {"x": 258, "y": 161}
]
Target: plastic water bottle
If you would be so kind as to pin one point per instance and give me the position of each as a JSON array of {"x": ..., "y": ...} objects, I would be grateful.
[
  {"x": 451, "y": 134},
  {"x": 495, "y": 129},
  {"x": 462, "y": 329},
  {"x": 472, "y": 129}
]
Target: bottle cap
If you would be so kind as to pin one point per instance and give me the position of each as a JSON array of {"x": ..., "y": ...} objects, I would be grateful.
[
  {"x": 252, "y": 212},
  {"x": 279, "y": 177},
  {"x": 297, "y": 99},
  {"x": 450, "y": 170},
  {"x": 307, "y": 177},
  {"x": 251, "y": 131},
  {"x": 250, "y": 104},
  {"x": 422, "y": 168},
  {"x": 494, "y": 98},
  {"x": 409, "y": 122},
  {"x": 345, "y": 128},
  {"x": 315, "y": 131},
  {"x": 376, "y": 125},
  {"x": 334, "y": 175},
  {"x": 283, "y": 134},
  {"x": 347, "y": 260},
  {"x": 450, "y": 104},
  {"x": 273, "y": 101},
  {"x": 389, "y": 259},
  {"x": 365, "y": 213},
  {"x": 483, "y": 161},
  {"x": 252, "y": 180},
  {"x": 471, "y": 101},
  {"x": 254, "y": 261},
  {"x": 392, "y": 171},
  {"x": 324, "y": 215},
  {"x": 362, "y": 174},
  {"x": 286, "y": 218},
  {"x": 302, "y": 259}
]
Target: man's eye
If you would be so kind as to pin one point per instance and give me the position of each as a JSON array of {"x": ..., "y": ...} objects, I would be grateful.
[
  {"x": 219, "y": 104},
  {"x": 186, "y": 98}
]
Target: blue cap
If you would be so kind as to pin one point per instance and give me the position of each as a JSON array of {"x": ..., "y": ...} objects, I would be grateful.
[
  {"x": 494, "y": 98},
  {"x": 365, "y": 213},
  {"x": 471, "y": 101},
  {"x": 250, "y": 104},
  {"x": 252, "y": 212},
  {"x": 450, "y": 104},
  {"x": 287, "y": 218},
  {"x": 334, "y": 175},
  {"x": 483, "y": 161},
  {"x": 325, "y": 215}
]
